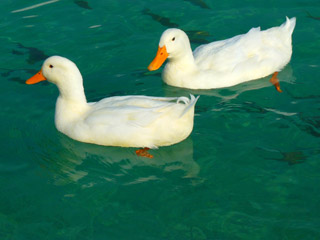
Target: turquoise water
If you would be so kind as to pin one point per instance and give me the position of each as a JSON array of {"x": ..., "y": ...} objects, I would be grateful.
[{"x": 249, "y": 170}]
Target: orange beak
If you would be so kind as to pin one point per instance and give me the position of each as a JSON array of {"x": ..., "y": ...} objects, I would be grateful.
[
  {"x": 36, "y": 78},
  {"x": 159, "y": 59}
]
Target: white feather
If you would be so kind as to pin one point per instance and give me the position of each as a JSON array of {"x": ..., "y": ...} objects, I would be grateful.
[
  {"x": 127, "y": 121},
  {"x": 225, "y": 63}
]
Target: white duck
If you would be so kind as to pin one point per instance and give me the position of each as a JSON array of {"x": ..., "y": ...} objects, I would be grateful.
[
  {"x": 126, "y": 121},
  {"x": 225, "y": 63}
]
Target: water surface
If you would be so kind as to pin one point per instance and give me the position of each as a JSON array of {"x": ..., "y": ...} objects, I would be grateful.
[{"x": 249, "y": 170}]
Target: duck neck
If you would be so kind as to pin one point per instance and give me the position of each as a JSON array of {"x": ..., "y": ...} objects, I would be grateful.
[
  {"x": 184, "y": 60},
  {"x": 71, "y": 105},
  {"x": 72, "y": 91}
]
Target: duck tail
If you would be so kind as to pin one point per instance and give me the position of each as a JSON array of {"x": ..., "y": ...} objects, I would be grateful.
[
  {"x": 191, "y": 103},
  {"x": 289, "y": 24}
]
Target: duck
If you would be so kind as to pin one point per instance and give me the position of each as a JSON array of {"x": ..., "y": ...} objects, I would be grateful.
[
  {"x": 136, "y": 121},
  {"x": 224, "y": 63}
]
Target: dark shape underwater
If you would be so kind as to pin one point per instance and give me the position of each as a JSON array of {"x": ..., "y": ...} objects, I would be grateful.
[
  {"x": 34, "y": 54},
  {"x": 83, "y": 4},
  {"x": 313, "y": 17},
  {"x": 195, "y": 36},
  {"x": 199, "y": 3},
  {"x": 292, "y": 157},
  {"x": 164, "y": 21},
  {"x": 14, "y": 74}
]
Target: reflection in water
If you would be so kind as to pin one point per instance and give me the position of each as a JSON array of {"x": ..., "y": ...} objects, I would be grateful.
[
  {"x": 226, "y": 94},
  {"x": 35, "y": 6},
  {"x": 145, "y": 73},
  {"x": 69, "y": 161}
]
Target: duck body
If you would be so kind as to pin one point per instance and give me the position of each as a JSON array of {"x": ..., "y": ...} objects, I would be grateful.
[
  {"x": 225, "y": 63},
  {"x": 130, "y": 121},
  {"x": 125, "y": 121}
]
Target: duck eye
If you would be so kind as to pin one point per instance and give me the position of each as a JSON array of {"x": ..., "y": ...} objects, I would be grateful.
[
  {"x": 174, "y": 38},
  {"x": 50, "y": 66}
]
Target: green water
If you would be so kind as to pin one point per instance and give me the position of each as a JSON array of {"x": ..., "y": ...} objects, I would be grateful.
[{"x": 249, "y": 170}]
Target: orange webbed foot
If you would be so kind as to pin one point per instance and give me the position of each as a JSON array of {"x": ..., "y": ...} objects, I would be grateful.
[
  {"x": 144, "y": 153},
  {"x": 275, "y": 81}
]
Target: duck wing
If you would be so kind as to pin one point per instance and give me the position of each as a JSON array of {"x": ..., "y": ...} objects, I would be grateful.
[
  {"x": 226, "y": 54},
  {"x": 138, "y": 111},
  {"x": 257, "y": 49}
]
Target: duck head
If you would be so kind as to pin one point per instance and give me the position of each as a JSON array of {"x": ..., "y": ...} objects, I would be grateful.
[
  {"x": 65, "y": 74},
  {"x": 174, "y": 44},
  {"x": 58, "y": 70}
]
